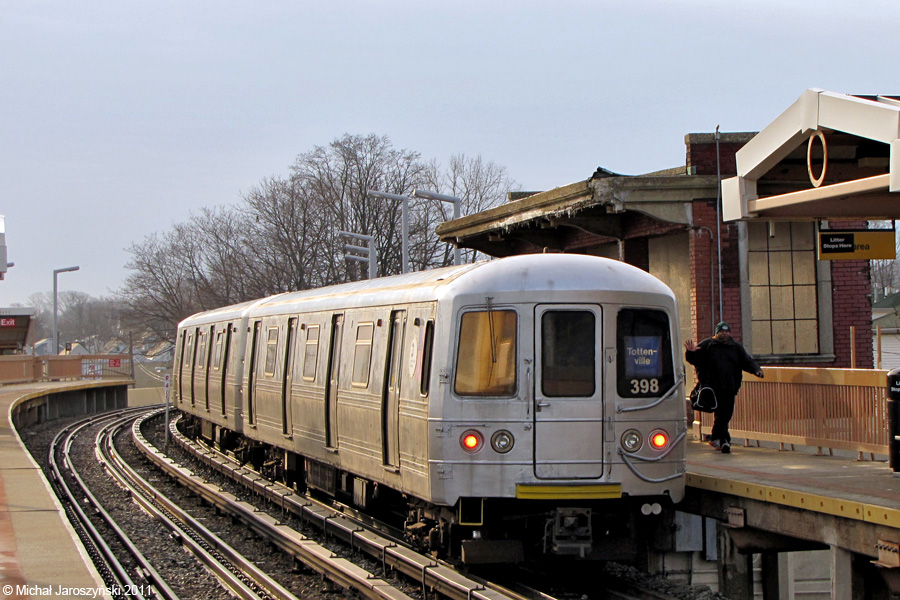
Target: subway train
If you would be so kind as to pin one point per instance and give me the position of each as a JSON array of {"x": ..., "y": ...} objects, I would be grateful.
[{"x": 528, "y": 406}]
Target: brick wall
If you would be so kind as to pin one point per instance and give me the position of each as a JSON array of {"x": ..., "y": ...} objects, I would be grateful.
[
  {"x": 701, "y": 152},
  {"x": 852, "y": 308}
]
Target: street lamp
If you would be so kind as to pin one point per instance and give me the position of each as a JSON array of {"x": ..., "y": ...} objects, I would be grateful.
[
  {"x": 443, "y": 198},
  {"x": 55, "y": 324},
  {"x": 404, "y": 239}
]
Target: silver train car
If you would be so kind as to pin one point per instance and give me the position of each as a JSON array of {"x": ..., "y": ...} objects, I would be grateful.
[{"x": 531, "y": 405}]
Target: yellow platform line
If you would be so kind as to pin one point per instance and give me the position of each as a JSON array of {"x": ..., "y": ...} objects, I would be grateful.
[{"x": 849, "y": 509}]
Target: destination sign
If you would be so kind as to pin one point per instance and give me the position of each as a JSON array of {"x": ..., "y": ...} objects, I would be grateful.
[{"x": 642, "y": 356}]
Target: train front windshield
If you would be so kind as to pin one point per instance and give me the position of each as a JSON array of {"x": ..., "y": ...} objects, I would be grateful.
[{"x": 644, "y": 342}]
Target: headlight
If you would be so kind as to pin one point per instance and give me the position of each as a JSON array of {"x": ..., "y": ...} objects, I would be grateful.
[
  {"x": 502, "y": 441},
  {"x": 632, "y": 440}
]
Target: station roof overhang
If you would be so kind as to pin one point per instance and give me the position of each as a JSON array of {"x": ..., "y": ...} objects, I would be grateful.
[
  {"x": 600, "y": 206},
  {"x": 828, "y": 156},
  {"x": 14, "y": 327}
]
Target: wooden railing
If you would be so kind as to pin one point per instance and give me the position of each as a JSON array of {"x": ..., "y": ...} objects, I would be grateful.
[
  {"x": 23, "y": 369},
  {"x": 838, "y": 409}
]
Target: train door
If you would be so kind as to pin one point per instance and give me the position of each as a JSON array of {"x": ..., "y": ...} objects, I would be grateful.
[
  {"x": 207, "y": 359},
  {"x": 184, "y": 372},
  {"x": 192, "y": 358},
  {"x": 390, "y": 405},
  {"x": 286, "y": 424},
  {"x": 251, "y": 373},
  {"x": 331, "y": 379},
  {"x": 568, "y": 392},
  {"x": 224, "y": 356}
]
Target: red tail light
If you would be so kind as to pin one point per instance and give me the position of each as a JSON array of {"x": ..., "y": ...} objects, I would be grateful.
[
  {"x": 471, "y": 441},
  {"x": 659, "y": 440}
]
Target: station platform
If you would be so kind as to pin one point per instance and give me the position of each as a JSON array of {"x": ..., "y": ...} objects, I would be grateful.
[
  {"x": 40, "y": 554},
  {"x": 865, "y": 490}
]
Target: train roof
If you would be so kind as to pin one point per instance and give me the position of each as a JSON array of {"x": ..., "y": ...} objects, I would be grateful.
[{"x": 522, "y": 273}]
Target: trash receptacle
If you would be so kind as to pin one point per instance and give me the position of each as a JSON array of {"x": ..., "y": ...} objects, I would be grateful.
[{"x": 893, "y": 418}]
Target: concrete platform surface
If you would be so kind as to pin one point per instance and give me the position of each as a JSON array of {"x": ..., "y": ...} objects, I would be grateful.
[
  {"x": 857, "y": 489},
  {"x": 40, "y": 555}
]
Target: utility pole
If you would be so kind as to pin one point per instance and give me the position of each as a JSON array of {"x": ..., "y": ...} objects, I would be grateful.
[
  {"x": 404, "y": 235},
  {"x": 443, "y": 198},
  {"x": 366, "y": 253}
]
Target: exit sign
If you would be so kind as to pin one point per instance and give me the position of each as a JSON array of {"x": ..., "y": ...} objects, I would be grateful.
[{"x": 7, "y": 322}]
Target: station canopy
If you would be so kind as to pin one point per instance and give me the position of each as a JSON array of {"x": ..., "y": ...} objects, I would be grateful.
[
  {"x": 828, "y": 156},
  {"x": 14, "y": 326}
]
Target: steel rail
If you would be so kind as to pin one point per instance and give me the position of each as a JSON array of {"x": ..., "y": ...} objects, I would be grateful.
[
  {"x": 337, "y": 569},
  {"x": 237, "y": 573},
  {"x": 107, "y": 563}
]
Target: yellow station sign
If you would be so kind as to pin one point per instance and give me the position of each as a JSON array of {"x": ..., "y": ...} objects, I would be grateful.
[{"x": 864, "y": 244}]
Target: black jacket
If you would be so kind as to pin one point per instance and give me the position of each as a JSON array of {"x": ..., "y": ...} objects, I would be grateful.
[{"x": 719, "y": 365}]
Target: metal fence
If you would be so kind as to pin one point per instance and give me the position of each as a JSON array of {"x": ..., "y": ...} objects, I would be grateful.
[
  {"x": 24, "y": 369},
  {"x": 837, "y": 409}
]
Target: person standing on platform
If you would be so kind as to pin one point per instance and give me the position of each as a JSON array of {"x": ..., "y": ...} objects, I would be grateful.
[{"x": 719, "y": 361}]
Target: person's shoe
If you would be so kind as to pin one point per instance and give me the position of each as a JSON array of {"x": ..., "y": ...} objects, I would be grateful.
[
  {"x": 715, "y": 444},
  {"x": 726, "y": 448}
]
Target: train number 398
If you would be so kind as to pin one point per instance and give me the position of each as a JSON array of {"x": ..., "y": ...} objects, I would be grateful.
[{"x": 644, "y": 386}]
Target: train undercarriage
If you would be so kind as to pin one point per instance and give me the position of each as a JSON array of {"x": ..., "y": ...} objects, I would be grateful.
[{"x": 476, "y": 530}]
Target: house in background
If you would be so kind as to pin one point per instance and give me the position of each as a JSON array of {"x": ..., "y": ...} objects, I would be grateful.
[{"x": 886, "y": 326}]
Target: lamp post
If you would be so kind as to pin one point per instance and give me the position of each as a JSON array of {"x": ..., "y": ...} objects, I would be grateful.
[
  {"x": 55, "y": 323},
  {"x": 443, "y": 198},
  {"x": 404, "y": 240}
]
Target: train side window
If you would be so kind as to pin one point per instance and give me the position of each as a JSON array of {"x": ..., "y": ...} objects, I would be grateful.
[
  {"x": 568, "y": 353},
  {"x": 486, "y": 356},
  {"x": 645, "y": 367},
  {"x": 427, "y": 351},
  {"x": 201, "y": 350},
  {"x": 362, "y": 354},
  {"x": 217, "y": 360},
  {"x": 189, "y": 353},
  {"x": 271, "y": 347},
  {"x": 311, "y": 353}
]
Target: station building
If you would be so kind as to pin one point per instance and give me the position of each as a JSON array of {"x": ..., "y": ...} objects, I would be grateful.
[{"x": 761, "y": 269}]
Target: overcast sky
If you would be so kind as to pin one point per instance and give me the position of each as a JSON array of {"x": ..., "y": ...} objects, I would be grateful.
[{"x": 117, "y": 119}]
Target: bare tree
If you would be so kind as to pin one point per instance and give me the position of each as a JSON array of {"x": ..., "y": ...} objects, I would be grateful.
[
  {"x": 284, "y": 234},
  {"x": 885, "y": 273},
  {"x": 480, "y": 184},
  {"x": 339, "y": 176},
  {"x": 90, "y": 321},
  {"x": 81, "y": 318},
  {"x": 162, "y": 290}
]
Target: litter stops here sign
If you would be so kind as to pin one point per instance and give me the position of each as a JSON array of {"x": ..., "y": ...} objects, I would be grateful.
[{"x": 865, "y": 244}]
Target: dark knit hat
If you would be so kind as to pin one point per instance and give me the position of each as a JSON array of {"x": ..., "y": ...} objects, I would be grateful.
[{"x": 722, "y": 326}]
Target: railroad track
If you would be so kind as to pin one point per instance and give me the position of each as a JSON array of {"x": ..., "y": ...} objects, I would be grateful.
[
  {"x": 128, "y": 573},
  {"x": 433, "y": 576},
  {"x": 238, "y": 574},
  {"x": 243, "y": 579}
]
